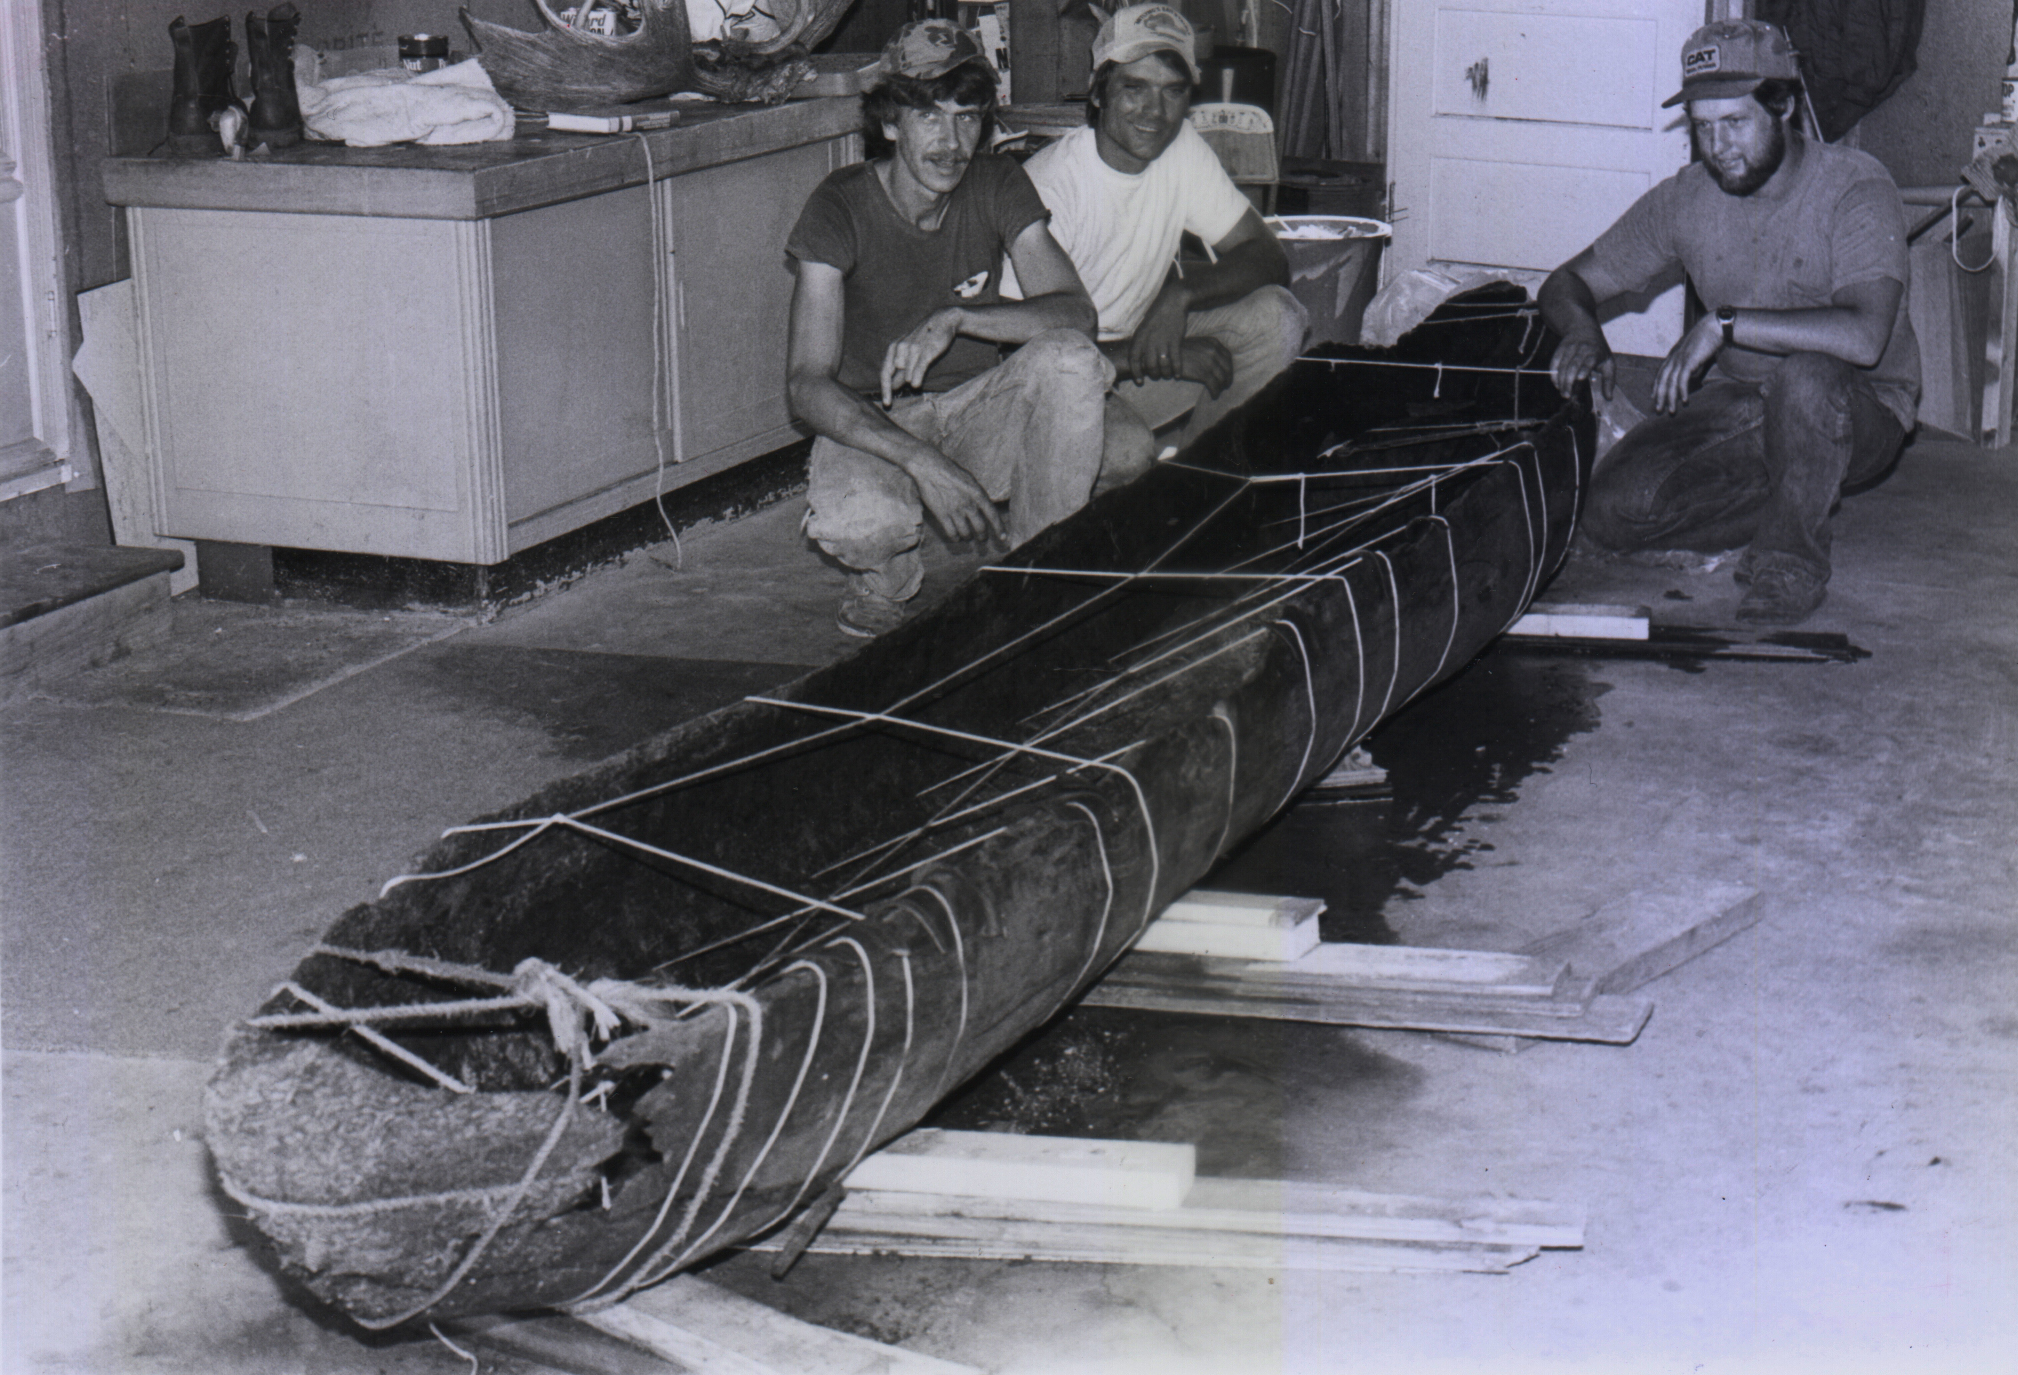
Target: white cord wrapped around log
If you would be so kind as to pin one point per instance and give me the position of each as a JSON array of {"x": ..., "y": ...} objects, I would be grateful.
[{"x": 579, "y": 1016}]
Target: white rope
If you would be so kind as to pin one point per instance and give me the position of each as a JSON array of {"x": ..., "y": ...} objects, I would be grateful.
[
  {"x": 1220, "y": 714},
  {"x": 1534, "y": 551},
  {"x": 1438, "y": 368},
  {"x": 854, "y": 1084},
  {"x": 475, "y": 1366},
  {"x": 756, "y": 1015},
  {"x": 1106, "y": 906},
  {"x": 373, "y": 1207},
  {"x": 499, "y": 1218},
  {"x": 539, "y": 828},
  {"x": 1112, "y": 703},
  {"x": 1310, "y": 698},
  {"x": 1577, "y": 469},
  {"x": 1394, "y": 665},
  {"x": 381, "y": 1043},
  {"x": 661, "y": 379},
  {"x": 1010, "y": 746},
  {"x": 854, "y": 891},
  {"x": 1358, "y": 660},
  {"x": 575, "y": 823},
  {"x": 784, "y": 1114},
  {"x": 1450, "y": 542},
  {"x": 959, "y": 958},
  {"x": 903, "y": 1063}
]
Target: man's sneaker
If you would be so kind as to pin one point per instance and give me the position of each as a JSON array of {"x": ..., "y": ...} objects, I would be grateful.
[
  {"x": 1781, "y": 596},
  {"x": 866, "y": 615}
]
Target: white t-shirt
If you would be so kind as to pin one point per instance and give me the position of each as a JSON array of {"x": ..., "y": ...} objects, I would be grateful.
[{"x": 1120, "y": 229}]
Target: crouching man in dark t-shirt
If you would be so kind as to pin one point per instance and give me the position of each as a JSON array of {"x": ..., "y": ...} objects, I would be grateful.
[{"x": 897, "y": 328}]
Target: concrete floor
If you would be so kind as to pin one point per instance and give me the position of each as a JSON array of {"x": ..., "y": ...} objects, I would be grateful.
[{"x": 1806, "y": 1162}]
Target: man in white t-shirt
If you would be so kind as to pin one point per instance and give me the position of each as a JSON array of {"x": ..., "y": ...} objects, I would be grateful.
[{"x": 1196, "y": 336}]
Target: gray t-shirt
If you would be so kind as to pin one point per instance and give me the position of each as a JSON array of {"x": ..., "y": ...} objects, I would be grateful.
[
  {"x": 1840, "y": 223},
  {"x": 895, "y": 274}
]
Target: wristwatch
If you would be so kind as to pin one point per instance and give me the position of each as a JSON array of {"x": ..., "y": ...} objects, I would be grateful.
[{"x": 1727, "y": 316}]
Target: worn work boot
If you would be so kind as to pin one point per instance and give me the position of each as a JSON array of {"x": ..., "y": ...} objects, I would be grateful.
[
  {"x": 276, "y": 110},
  {"x": 866, "y": 614},
  {"x": 1778, "y": 595},
  {"x": 204, "y": 55}
]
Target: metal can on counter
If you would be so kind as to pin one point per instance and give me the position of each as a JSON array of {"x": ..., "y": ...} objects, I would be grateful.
[{"x": 423, "y": 52}]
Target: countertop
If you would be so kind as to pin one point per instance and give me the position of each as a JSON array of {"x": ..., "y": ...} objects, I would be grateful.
[{"x": 478, "y": 180}]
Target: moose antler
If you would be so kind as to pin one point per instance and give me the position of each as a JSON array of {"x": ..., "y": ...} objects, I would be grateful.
[{"x": 562, "y": 66}]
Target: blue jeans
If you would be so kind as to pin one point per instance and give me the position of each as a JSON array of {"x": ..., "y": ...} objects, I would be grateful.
[{"x": 1741, "y": 464}]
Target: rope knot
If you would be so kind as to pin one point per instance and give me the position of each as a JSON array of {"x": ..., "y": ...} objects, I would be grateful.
[{"x": 576, "y": 1016}]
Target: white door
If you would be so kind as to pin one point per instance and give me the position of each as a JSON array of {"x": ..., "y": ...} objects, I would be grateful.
[
  {"x": 34, "y": 353},
  {"x": 1520, "y": 129}
]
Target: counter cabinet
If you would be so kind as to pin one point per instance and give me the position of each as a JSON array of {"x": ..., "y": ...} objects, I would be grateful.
[{"x": 456, "y": 354}]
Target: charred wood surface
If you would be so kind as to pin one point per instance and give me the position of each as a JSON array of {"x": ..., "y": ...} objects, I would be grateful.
[{"x": 880, "y": 880}]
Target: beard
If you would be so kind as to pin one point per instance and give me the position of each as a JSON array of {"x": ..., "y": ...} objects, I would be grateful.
[{"x": 1755, "y": 174}]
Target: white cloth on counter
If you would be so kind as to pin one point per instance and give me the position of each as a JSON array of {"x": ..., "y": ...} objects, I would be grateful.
[{"x": 449, "y": 105}]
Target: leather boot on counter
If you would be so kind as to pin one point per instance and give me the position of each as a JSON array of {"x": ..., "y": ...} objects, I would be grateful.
[
  {"x": 204, "y": 56},
  {"x": 276, "y": 109}
]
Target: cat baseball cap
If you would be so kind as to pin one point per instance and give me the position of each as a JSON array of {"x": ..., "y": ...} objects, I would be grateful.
[
  {"x": 927, "y": 49},
  {"x": 1730, "y": 58},
  {"x": 1140, "y": 30}
]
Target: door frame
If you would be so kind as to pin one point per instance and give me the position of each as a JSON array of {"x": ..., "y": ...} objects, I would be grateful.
[{"x": 28, "y": 195}]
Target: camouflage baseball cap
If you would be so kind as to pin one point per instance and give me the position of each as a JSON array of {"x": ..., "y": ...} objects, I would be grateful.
[
  {"x": 926, "y": 49},
  {"x": 1730, "y": 58},
  {"x": 1140, "y": 30}
]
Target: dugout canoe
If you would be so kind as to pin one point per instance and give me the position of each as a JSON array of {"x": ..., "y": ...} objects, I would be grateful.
[{"x": 660, "y": 1006}]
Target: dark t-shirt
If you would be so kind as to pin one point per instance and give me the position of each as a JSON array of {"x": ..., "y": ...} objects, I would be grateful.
[
  {"x": 1841, "y": 223},
  {"x": 894, "y": 274}
]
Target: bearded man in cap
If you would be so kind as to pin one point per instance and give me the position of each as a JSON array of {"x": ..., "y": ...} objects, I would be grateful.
[
  {"x": 898, "y": 328},
  {"x": 1192, "y": 336},
  {"x": 1799, "y": 251}
]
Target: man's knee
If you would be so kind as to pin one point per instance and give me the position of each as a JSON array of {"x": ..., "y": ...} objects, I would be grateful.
[
  {"x": 1612, "y": 516},
  {"x": 858, "y": 544},
  {"x": 1287, "y": 320},
  {"x": 862, "y": 515},
  {"x": 1128, "y": 449},
  {"x": 1263, "y": 331},
  {"x": 1810, "y": 379},
  {"x": 1626, "y": 495},
  {"x": 1066, "y": 358}
]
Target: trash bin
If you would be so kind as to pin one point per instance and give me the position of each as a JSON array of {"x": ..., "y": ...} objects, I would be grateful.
[{"x": 1333, "y": 269}]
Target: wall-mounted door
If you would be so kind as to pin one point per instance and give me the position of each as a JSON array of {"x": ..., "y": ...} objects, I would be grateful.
[{"x": 1520, "y": 129}]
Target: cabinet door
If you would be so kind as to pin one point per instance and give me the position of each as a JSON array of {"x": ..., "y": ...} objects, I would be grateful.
[
  {"x": 733, "y": 294},
  {"x": 1520, "y": 129}
]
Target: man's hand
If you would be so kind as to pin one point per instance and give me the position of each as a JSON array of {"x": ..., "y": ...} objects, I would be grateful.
[
  {"x": 1209, "y": 362},
  {"x": 1157, "y": 350},
  {"x": 906, "y": 362},
  {"x": 1684, "y": 361},
  {"x": 1581, "y": 355},
  {"x": 957, "y": 502}
]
